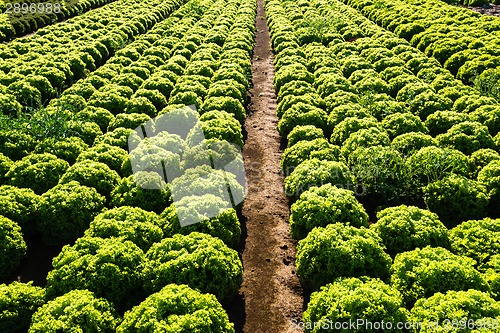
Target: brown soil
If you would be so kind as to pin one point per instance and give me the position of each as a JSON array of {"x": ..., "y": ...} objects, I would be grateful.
[
  {"x": 493, "y": 10},
  {"x": 271, "y": 290}
]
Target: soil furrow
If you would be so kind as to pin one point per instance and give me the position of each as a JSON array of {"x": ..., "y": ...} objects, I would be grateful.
[{"x": 271, "y": 289}]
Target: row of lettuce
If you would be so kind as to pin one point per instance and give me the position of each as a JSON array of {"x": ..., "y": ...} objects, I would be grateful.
[
  {"x": 131, "y": 266},
  {"x": 373, "y": 124},
  {"x": 463, "y": 41},
  {"x": 36, "y": 69},
  {"x": 19, "y": 18}
]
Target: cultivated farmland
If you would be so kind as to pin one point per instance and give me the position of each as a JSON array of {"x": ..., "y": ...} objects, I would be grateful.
[{"x": 249, "y": 166}]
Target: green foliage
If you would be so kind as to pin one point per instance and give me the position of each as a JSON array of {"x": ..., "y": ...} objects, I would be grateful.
[
  {"x": 497, "y": 141},
  {"x": 67, "y": 149},
  {"x": 454, "y": 93},
  {"x": 9, "y": 106},
  {"x": 146, "y": 190},
  {"x": 432, "y": 163},
  {"x": 100, "y": 116},
  {"x": 488, "y": 115},
  {"x": 75, "y": 311},
  {"x": 423, "y": 272},
  {"x": 16, "y": 143},
  {"x": 482, "y": 157},
  {"x": 177, "y": 308},
  {"x": 295, "y": 88},
  {"x": 405, "y": 228},
  {"x": 230, "y": 88},
  {"x": 201, "y": 261},
  {"x": 465, "y": 308},
  {"x": 305, "y": 150},
  {"x": 333, "y": 82},
  {"x": 304, "y": 133},
  {"x": 477, "y": 239},
  {"x": 66, "y": 211},
  {"x": 411, "y": 90},
  {"x": 467, "y": 137},
  {"x": 342, "y": 104},
  {"x": 114, "y": 157},
  {"x": 426, "y": 103},
  {"x": 488, "y": 82},
  {"x": 489, "y": 177},
  {"x": 12, "y": 246},
  {"x": 380, "y": 173},
  {"x": 350, "y": 125},
  {"x": 320, "y": 206},
  {"x": 171, "y": 118},
  {"x": 294, "y": 72},
  {"x": 302, "y": 114},
  {"x": 219, "y": 154},
  {"x": 92, "y": 174},
  {"x": 338, "y": 250},
  {"x": 186, "y": 98},
  {"x": 456, "y": 198},
  {"x": 205, "y": 180},
  {"x": 111, "y": 101},
  {"x": 398, "y": 79},
  {"x": 118, "y": 137},
  {"x": 106, "y": 266},
  {"x": 128, "y": 223},
  {"x": 491, "y": 271},
  {"x": 315, "y": 172},
  {"x": 128, "y": 80},
  {"x": 214, "y": 216},
  {"x": 365, "y": 137},
  {"x": 228, "y": 104},
  {"x": 140, "y": 105},
  {"x": 128, "y": 120},
  {"x": 353, "y": 63},
  {"x": 353, "y": 299},
  {"x": 401, "y": 123},
  {"x": 53, "y": 122},
  {"x": 471, "y": 102},
  {"x": 18, "y": 302},
  {"x": 231, "y": 73},
  {"x": 39, "y": 172},
  {"x": 371, "y": 85},
  {"x": 409, "y": 143},
  {"x": 21, "y": 206},
  {"x": 219, "y": 125},
  {"x": 5, "y": 164},
  {"x": 87, "y": 131},
  {"x": 289, "y": 100},
  {"x": 68, "y": 102},
  {"x": 148, "y": 156},
  {"x": 26, "y": 94},
  {"x": 154, "y": 96}
]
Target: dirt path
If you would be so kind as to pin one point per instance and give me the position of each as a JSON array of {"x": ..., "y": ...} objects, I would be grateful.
[
  {"x": 271, "y": 289},
  {"x": 491, "y": 9}
]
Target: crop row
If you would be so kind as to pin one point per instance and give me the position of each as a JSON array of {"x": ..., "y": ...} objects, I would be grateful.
[
  {"x": 37, "y": 68},
  {"x": 28, "y": 16},
  {"x": 463, "y": 41},
  {"x": 393, "y": 88},
  {"x": 131, "y": 230},
  {"x": 401, "y": 131}
]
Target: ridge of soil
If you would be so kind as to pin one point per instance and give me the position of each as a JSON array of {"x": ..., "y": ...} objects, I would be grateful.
[{"x": 271, "y": 290}]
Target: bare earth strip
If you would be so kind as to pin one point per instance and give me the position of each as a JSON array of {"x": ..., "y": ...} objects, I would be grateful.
[{"x": 271, "y": 290}]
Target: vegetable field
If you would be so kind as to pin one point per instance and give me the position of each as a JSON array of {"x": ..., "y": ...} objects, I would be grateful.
[{"x": 249, "y": 166}]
